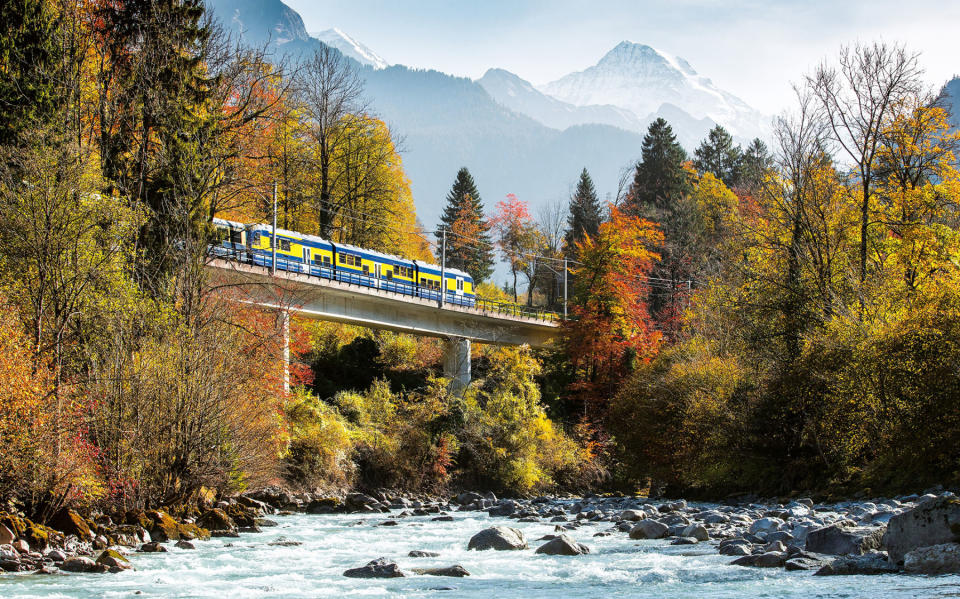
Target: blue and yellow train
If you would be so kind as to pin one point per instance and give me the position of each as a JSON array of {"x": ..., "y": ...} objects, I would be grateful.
[{"x": 315, "y": 256}]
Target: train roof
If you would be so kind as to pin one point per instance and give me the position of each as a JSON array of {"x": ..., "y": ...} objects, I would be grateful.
[{"x": 346, "y": 246}]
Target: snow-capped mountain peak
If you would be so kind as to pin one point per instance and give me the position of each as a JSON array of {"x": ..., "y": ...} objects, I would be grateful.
[
  {"x": 641, "y": 79},
  {"x": 351, "y": 47}
]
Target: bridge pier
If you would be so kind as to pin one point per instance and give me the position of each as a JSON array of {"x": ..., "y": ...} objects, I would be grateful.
[
  {"x": 456, "y": 363},
  {"x": 285, "y": 323}
]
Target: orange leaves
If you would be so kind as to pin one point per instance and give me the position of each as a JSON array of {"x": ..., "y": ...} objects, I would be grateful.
[{"x": 612, "y": 325}]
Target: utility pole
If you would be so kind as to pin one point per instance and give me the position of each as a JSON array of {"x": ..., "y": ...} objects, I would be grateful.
[
  {"x": 273, "y": 241},
  {"x": 443, "y": 265},
  {"x": 564, "y": 288}
]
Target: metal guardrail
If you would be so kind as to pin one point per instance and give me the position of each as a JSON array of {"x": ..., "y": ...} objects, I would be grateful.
[{"x": 389, "y": 285}]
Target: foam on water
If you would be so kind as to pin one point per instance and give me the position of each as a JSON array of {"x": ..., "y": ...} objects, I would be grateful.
[{"x": 249, "y": 567}]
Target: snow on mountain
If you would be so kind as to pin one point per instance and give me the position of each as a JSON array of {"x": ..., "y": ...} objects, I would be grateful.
[
  {"x": 351, "y": 47},
  {"x": 520, "y": 96},
  {"x": 642, "y": 79}
]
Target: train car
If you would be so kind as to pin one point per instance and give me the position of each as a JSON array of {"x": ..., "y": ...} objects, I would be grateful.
[{"x": 315, "y": 256}]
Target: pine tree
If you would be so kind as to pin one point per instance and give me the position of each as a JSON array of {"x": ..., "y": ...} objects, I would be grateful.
[
  {"x": 718, "y": 155},
  {"x": 160, "y": 127},
  {"x": 659, "y": 179},
  {"x": 584, "y": 216},
  {"x": 469, "y": 246},
  {"x": 755, "y": 164},
  {"x": 28, "y": 57}
]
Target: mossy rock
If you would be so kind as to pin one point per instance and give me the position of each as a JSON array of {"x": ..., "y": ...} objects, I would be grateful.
[
  {"x": 241, "y": 515},
  {"x": 216, "y": 519},
  {"x": 38, "y": 536},
  {"x": 162, "y": 526},
  {"x": 192, "y": 531},
  {"x": 113, "y": 560},
  {"x": 71, "y": 523},
  {"x": 15, "y": 523}
]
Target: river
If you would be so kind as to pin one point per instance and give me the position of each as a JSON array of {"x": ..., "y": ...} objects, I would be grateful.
[{"x": 250, "y": 566}]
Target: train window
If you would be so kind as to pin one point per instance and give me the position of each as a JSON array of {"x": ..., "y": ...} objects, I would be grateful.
[
  {"x": 366, "y": 269},
  {"x": 388, "y": 274},
  {"x": 255, "y": 239},
  {"x": 326, "y": 260},
  {"x": 284, "y": 245},
  {"x": 236, "y": 236},
  {"x": 405, "y": 271},
  {"x": 350, "y": 260},
  {"x": 459, "y": 284}
]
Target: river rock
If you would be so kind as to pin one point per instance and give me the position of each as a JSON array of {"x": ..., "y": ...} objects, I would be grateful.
[
  {"x": 933, "y": 522},
  {"x": 71, "y": 523},
  {"x": 870, "y": 563},
  {"x": 802, "y": 564},
  {"x": 837, "y": 540},
  {"x": 56, "y": 556},
  {"x": 633, "y": 515},
  {"x": 936, "y": 559},
  {"x": 770, "y": 559},
  {"x": 697, "y": 531},
  {"x": 78, "y": 563},
  {"x": 685, "y": 541},
  {"x": 113, "y": 560},
  {"x": 505, "y": 508},
  {"x": 217, "y": 521},
  {"x": 378, "y": 568},
  {"x": 152, "y": 547},
  {"x": 736, "y": 549},
  {"x": 765, "y": 525},
  {"x": 648, "y": 529},
  {"x": 457, "y": 571},
  {"x": 181, "y": 544},
  {"x": 563, "y": 545},
  {"x": 501, "y": 538},
  {"x": 6, "y": 535},
  {"x": 419, "y": 553}
]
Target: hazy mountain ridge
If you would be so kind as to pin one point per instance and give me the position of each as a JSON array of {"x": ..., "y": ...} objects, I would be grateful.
[{"x": 349, "y": 46}]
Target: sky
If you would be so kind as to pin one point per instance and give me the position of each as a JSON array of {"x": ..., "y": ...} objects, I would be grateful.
[{"x": 752, "y": 48}]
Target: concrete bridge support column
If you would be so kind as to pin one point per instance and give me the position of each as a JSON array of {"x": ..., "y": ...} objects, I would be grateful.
[{"x": 456, "y": 363}]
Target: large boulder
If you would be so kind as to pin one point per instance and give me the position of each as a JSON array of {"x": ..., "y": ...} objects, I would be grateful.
[
  {"x": 114, "y": 561},
  {"x": 378, "y": 568},
  {"x": 633, "y": 515},
  {"x": 6, "y": 535},
  {"x": 457, "y": 571},
  {"x": 563, "y": 545},
  {"x": 161, "y": 526},
  {"x": 217, "y": 521},
  {"x": 765, "y": 525},
  {"x": 78, "y": 564},
  {"x": 933, "y": 522},
  {"x": 697, "y": 531},
  {"x": 870, "y": 563},
  {"x": 936, "y": 559},
  {"x": 501, "y": 538},
  {"x": 649, "y": 529},
  {"x": 71, "y": 523},
  {"x": 838, "y": 540}
]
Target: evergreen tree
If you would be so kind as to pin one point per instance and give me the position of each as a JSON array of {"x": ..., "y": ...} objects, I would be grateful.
[
  {"x": 469, "y": 246},
  {"x": 29, "y": 54},
  {"x": 584, "y": 217},
  {"x": 718, "y": 155},
  {"x": 160, "y": 125},
  {"x": 755, "y": 164},
  {"x": 659, "y": 179}
]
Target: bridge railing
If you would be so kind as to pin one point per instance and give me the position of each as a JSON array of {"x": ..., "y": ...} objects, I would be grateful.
[{"x": 388, "y": 285}]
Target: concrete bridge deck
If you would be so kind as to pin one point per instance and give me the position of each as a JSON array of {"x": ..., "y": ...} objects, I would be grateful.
[{"x": 325, "y": 299}]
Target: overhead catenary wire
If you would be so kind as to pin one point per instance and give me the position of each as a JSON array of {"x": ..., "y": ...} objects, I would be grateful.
[{"x": 657, "y": 282}]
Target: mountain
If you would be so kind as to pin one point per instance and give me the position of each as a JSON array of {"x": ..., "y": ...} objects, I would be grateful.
[
  {"x": 260, "y": 22},
  {"x": 642, "y": 79},
  {"x": 520, "y": 96},
  {"x": 951, "y": 97},
  {"x": 350, "y": 47}
]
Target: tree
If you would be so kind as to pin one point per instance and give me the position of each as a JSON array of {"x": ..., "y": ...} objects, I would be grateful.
[
  {"x": 858, "y": 100},
  {"x": 659, "y": 177},
  {"x": 519, "y": 240},
  {"x": 584, "y": 217},
  {"x": 469, "y": 247},
  {"x": 719, "y": 156},
  {"x": 29, "y": 53},
  {"x": 332, "y": 91},
  {"x": 612, "y": 327},
  {"x": 755, "y": 165}
]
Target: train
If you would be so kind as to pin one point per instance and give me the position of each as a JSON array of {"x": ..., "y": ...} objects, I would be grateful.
[{"x": 315, "y": 256}]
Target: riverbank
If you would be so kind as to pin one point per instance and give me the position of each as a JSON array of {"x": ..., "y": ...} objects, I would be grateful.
[{"x": 913, "y": 534}]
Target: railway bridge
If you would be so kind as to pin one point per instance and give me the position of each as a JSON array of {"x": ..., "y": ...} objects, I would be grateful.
[{"x": 357, "y": 303}]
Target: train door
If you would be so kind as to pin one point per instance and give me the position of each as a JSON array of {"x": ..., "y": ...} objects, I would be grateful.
[
  {"x": 377, "y": 274},
  {"x": 459, "y": 292},
  {"x": 306, "y": 261}
]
